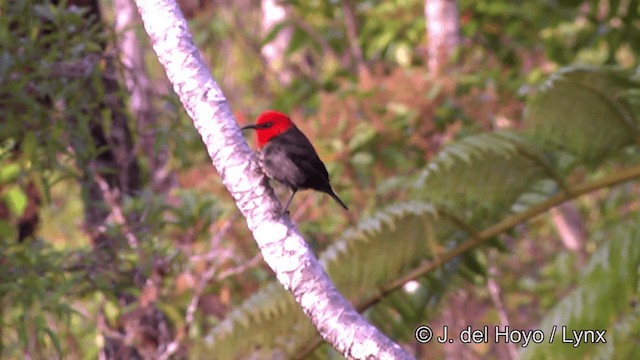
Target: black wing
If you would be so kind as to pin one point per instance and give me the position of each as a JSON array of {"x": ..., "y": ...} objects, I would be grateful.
[{"x": 289, "y": 158}]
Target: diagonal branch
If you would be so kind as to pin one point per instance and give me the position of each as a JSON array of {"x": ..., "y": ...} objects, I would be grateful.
[
  {"x": 282, "y": 247},
  {"x": 506, "y": 224}
]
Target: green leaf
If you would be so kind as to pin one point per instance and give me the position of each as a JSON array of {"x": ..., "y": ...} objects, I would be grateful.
[
  {"x": 362, "y": 159},
  {"x": 16, "y": 200},
  {"x": 273, "y": 33},
  {"x": 363, "y": 134},
  {"x": 7, "y": 231},
  {"x": 29, "y": 147},
  {"x": 54, "y": 339},
  {"x": 9, "y": 172},
  {"x": 298, "y": 39}
]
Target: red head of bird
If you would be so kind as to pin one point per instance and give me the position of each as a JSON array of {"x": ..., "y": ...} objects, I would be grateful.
[{"x": 269, "y": 125}]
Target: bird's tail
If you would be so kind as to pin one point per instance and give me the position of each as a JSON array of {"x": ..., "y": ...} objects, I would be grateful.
[{"x": 337, "y": 199}]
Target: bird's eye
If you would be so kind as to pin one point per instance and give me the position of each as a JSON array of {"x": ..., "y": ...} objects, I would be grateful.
[{"x": 268, "y": 125}]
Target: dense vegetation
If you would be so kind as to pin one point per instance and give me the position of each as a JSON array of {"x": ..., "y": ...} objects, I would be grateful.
[{"x": 459, "y": 183}]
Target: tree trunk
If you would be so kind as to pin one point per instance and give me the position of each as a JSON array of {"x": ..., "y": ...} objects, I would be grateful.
[
  {"x": 273, "y": 13},
  {"x": 443, "y": 32}
]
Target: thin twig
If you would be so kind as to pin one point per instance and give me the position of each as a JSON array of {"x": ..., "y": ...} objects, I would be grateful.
[
  {"x": 240, "y": 269},
  {"x": 494, "y": 291},
  {"x": 212, "y": 263},
  {"x": 117, "y": 215},
  {"x": 351, "y": 25},
  {"x": 212, "y": 259}
]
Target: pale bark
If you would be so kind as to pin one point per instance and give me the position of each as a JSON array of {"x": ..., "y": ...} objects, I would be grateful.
[
  {"x": 443, "y": 32},
  {"x": 571, "y": 228},
  {"x": 282, "y": 247},
  {"x": 273, "y": 52}
]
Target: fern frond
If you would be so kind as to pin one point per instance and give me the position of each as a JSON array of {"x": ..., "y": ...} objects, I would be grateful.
[
  {"x": 378, "y": 250},
  {"x": 612, "y": 270},
  {"x": 586, "y": 112},
  {"x": 621, "y": 339},
  {"x": 484, "y": 174},
  {"x": 236, "y": 334}
]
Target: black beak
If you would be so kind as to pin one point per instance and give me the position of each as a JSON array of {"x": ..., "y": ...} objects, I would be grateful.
[
  {"x": 247, "y": 127},
  {"x": 254, "y": 127}
]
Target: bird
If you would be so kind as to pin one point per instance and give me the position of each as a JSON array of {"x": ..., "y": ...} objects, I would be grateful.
[{"x": 286, "y": 155}]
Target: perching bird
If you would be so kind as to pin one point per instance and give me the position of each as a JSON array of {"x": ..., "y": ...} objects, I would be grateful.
[{"x": 287, "y": 156}]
